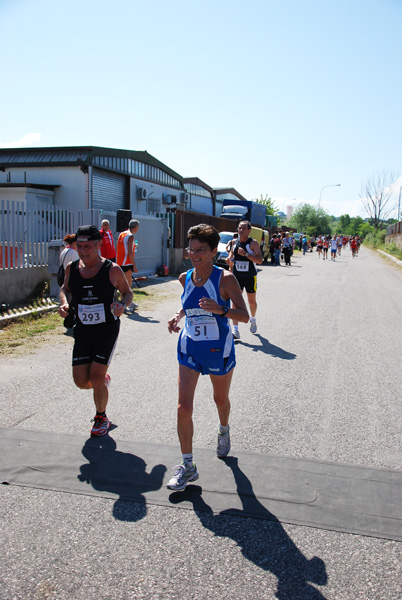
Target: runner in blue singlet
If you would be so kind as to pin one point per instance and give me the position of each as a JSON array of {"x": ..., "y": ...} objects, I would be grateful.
[{"x": 205, "y": 344}]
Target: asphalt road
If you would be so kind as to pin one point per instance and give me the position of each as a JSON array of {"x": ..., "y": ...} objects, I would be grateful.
[{"x": 319, "y": 380}]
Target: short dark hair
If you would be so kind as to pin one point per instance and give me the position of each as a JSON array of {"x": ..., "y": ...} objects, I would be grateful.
[
  {"x": 246, "y": 222},
  {"x": 204, "y": 233}
]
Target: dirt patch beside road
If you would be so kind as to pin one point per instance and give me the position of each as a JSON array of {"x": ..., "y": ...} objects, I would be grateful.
[{"x": 31, "y": 332}]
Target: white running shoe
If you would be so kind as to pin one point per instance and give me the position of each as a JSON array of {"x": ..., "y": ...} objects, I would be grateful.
[
  {"x": 253, "y": 326},
  {"x": 223, "y": 446},
  {"x": 130, "y": 309},
  {"x": 236, "y": 334},
  {"x": 182, "y": 477}
]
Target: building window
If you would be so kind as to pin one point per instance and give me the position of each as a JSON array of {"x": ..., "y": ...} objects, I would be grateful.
[
  {"x": 137, "y": 169},
  {"x": 197, "y": 190},
  {"x": 153, "y": 205}
]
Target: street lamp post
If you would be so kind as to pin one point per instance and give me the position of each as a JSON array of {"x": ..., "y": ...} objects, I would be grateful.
[{"x": 325, "y": 186}]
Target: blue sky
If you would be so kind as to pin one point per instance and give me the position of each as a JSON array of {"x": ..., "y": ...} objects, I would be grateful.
[{"x": 279, "y": 98}]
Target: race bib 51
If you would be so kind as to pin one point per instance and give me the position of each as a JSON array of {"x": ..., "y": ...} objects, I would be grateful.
[{"x": 202, "y": 328}]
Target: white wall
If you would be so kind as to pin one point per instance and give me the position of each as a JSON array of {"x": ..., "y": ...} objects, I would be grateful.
[
  {"x": 72, "y": 180},
  {"x": 13, "y": 194},
  {"x": 201, "y": 204},
  {"x": 154, "y": 190},
  {"x": 218, "y": 208},
  {"x": 73, "y": 191},
  {"x": 25, "y": 194}
]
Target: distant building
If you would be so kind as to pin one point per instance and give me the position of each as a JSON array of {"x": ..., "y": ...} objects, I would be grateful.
[
  {"x": 289, "y": 212},
  {"x": 202, "y": 197},
  {"x": 208, "y": 200},
  {"x": 222, "y": 194}
]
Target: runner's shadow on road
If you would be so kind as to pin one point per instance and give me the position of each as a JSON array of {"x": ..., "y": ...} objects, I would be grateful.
[
  {"x": 268, "y": 348},
  {"x": 262, "y": 540},
  {"x": 120, "y": 473},
  {"x": 140, "y": 319}
]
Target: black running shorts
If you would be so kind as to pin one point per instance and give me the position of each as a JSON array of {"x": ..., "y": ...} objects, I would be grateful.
[
  {"x": 95, "y": 343},
  {"x": 248, "y": 283}
]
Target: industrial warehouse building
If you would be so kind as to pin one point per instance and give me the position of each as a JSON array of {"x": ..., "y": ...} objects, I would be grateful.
[
  {"x": 107, "y": 179},
  {"x": 112, "y": 183}
]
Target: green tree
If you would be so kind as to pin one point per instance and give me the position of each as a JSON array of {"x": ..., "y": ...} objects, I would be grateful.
[
  {"x": 350, "y": 226},
  {"x": 355, "y": 224},
  {"x": 311, "y": 220},
  {"x": 266, "y": 201},
  {"x": 343, "y": 226},
  {"x": 364, "y": 230}
]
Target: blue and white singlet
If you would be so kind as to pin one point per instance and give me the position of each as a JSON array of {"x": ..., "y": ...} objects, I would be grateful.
[{"x": 205, "y": 336}]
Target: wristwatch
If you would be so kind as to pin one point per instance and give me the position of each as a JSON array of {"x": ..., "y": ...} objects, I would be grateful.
[{"x": 225, "y": 309}]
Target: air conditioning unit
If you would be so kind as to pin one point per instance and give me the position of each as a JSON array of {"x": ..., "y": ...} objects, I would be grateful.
[
  {"x": 166, "y": 199},
  {"x": 185, "y": 197},
  {"x": 142, "y": 193}
]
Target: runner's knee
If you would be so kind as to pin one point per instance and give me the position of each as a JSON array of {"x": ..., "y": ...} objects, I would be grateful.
[
  {"x": 184, "y": 409},
  {"x": 82, "y": 381}
]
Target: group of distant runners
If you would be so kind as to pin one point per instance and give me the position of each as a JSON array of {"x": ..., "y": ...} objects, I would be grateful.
[
  {"x": 211, "y": 296},
  {"x": 336, "y": 243}
]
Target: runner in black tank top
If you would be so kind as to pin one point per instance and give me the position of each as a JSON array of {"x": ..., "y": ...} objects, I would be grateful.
[
  {"x": 92, "y": 281},
  {"x": 97, "y": 290},
  {"x": 243, "y": 266},
  {"x": 246, "y": 255}
]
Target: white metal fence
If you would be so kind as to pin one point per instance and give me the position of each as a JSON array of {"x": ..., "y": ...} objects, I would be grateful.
[{"x": 27, "y": 228}]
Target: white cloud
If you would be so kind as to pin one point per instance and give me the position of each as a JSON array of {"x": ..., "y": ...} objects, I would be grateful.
[{"x": 30, "y": 139}]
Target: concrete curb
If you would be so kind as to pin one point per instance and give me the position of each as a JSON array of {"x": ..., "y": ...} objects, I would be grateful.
[
  {"x": 26, "y": 311},
  {"x": 395, "y": 260},
  {"x": 50, "y": 304}
]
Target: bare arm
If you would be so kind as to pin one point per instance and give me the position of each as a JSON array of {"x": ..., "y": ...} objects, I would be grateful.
[
  {"x": 173, "y": 323},
  {"x": 131, "y": 252},
  {"x": 119, "y": 281},
  {"x": 257, "y": 258},
  {"x": 229, "y": 289},
  {"x": 64, "y": 305}
]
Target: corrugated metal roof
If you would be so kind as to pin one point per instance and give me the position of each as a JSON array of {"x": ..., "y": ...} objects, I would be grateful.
[
  {"x": 35, "y": 186},
  {"x": 17, "y": 157},
  {"x": 229, "y": 190},
  {"x": 197, "y": 181}
]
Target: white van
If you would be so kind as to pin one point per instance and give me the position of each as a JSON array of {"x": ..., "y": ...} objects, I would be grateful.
[{"x": 222, "y": 254}]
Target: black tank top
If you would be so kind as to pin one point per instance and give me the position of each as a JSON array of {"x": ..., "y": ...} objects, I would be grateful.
[
  {"x": 97, "y": 290},
  {"x": 238, "y": 271}
]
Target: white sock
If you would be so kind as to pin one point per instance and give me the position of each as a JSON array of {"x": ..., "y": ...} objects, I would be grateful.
[
  {"x": 235, "y": 327},
  {"x": 187, "y": 459},
  {"x": 223, "y": 429}
]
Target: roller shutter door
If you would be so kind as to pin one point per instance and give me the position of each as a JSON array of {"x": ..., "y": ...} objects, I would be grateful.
[{"x": 108, "y": 190}]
